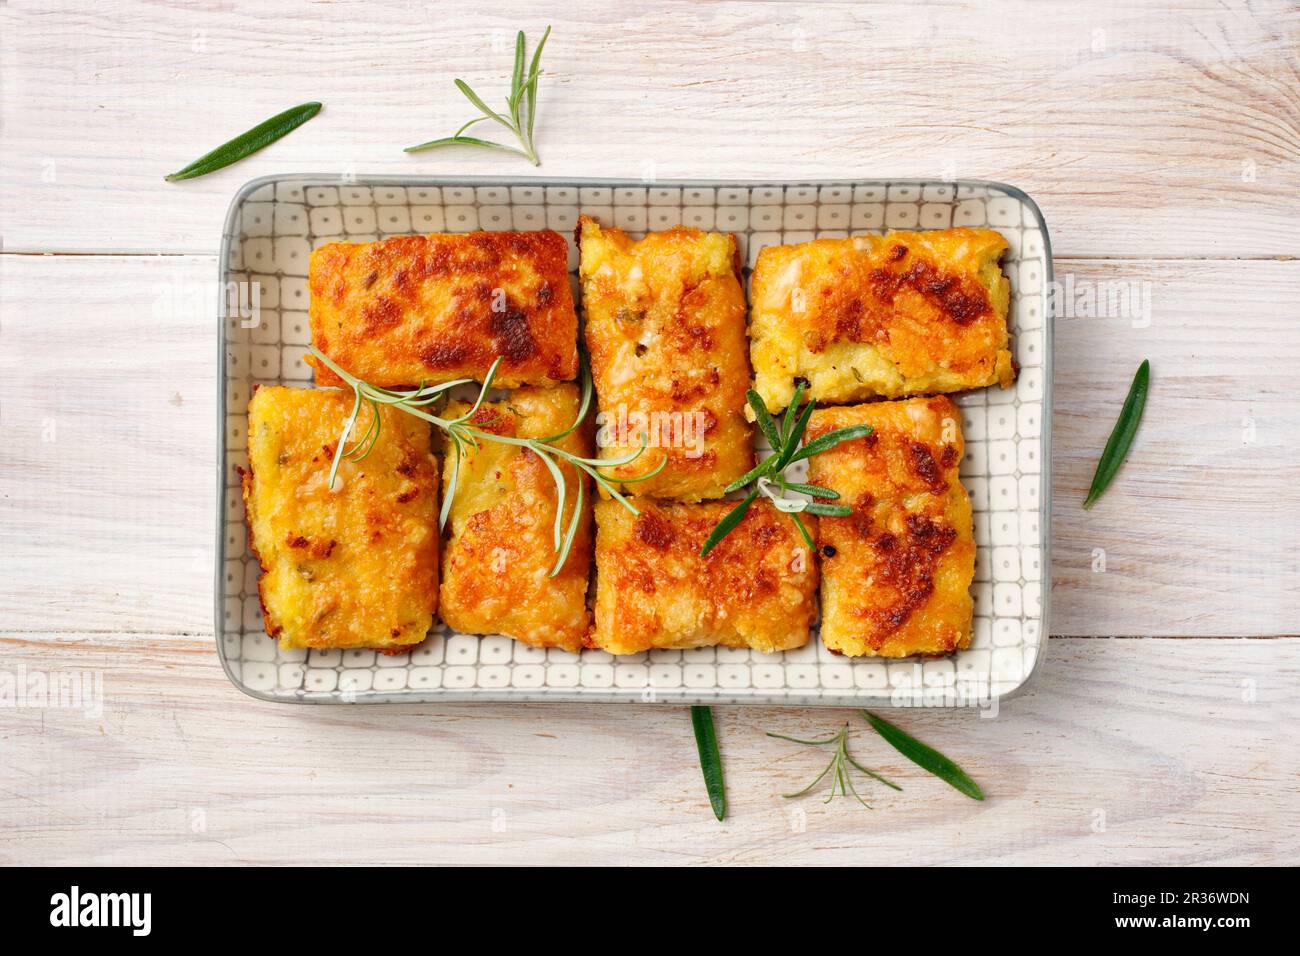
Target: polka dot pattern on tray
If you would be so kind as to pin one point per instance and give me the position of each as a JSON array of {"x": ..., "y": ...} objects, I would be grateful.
[{"x": 274, "y": 225}]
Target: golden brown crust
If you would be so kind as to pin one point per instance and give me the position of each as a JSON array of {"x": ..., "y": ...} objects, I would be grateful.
[
  {"x": 356, "y": 566},
  {"x": 414, "y": 309},
  {"x": 904, "y": 314},
  {"x": 665, "y": 328},
  {"x": 754, "y": 589},
  {"x": 501, "y": 547},
  {"x": 896, "y": 573}
]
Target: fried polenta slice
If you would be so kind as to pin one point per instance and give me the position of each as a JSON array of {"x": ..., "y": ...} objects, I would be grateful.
[
  {"x": 754, "y": 589},
  {"x": 433, "y": 308},
  {"x": 896, "y": 574},
  {"x": 356, "y": 566},
  {"x": 499, "y": 557},
  {"x": 909, "y": 313},
  {"x": 665, "y": 328}
]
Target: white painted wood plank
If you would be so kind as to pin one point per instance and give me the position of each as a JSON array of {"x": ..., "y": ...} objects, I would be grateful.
[
  {"x": 1200, "y": 533},
  {"x": 1142, "y": 131},
  {"x": 107, "y": 391},
  {"x": 108, "y": 465},
  {"x": 1122, "y": 752}
]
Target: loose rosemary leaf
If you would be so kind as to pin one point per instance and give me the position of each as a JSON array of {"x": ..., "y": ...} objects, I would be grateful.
[
  {"x": 706, "y": 739},
  {"x": 245, "y": 144},
  {"x": 1121, "y": 437},
  {"x": 927, "y": 758}
]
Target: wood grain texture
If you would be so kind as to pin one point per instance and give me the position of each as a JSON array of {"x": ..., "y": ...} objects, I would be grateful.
[
  {"x": 1122, "y": 751},
  {"x": 1154, "y": 135},
  {"x": 1200, "y": 533},
  {"x": 1141, "y": 128},
  {"x": 108, "y": 408}
]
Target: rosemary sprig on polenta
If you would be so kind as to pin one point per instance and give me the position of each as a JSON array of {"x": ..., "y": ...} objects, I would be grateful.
[
  {"x": 769, "y": 478},
  {"x": 465, "y": 431}
]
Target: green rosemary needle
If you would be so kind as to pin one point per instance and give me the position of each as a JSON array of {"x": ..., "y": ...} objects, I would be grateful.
[
  {"x": 1121, "y": 437},
  {"x": 245, "y": 144},
  {"x": 927, "y": 758},
  {"x": 706, "y": 741}
]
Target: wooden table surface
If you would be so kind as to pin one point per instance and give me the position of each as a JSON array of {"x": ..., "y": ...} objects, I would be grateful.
[{"x": 1162, "y": 141}]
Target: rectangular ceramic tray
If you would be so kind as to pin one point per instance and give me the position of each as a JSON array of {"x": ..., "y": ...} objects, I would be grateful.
[{"x": 275, "y": 222}]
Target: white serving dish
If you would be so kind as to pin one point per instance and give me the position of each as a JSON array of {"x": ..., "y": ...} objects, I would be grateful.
[{"x": 275, "y": 222}]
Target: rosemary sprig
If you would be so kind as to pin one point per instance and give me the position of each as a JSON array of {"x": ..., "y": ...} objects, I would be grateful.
[
  {"x": 1121, "y": 437},
  {"x": 769, "y": 478},
  {"x": 247, "y": 143},
  {"x": 927, "y": 758},
  {"x": 464, "y": 433},
  {"x": 839, "y": 768},
  {"x": 518, "y": 118}
]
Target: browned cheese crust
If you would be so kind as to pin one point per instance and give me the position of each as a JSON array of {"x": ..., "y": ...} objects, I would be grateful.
[
  {"x": 754, "y": 589},
  {"x": 910, "y": 313},
  {"x": 356, "y": 566},
  {"x": 896, "y": 574},
  {"x": 501, "y": 549},
  {"x": 665, "y": 327},
  {"x": 430, "y": 309}
]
